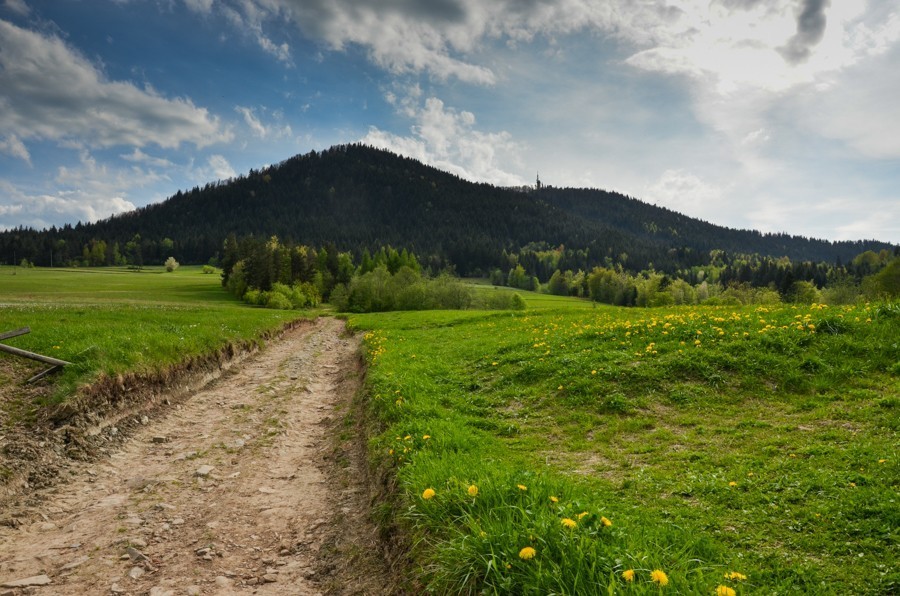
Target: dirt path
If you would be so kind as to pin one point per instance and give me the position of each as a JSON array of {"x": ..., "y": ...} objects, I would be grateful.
[{"x": 241, "y": 489}]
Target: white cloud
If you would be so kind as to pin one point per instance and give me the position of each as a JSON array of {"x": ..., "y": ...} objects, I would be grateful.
[
  {"x": 219, "y": 168},
  {"x": 447, "y": 139},
  {"x": 17, "y": 6},
  {"x": 138, "y": 156},
  {"x": 11, "y": 145},
  {"x": 199, "y": 6},
  {"x": 48, "y": 91},
  {"x": 686, "y": 193}
]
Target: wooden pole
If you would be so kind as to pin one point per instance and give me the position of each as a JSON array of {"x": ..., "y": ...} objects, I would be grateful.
[
  {"x": 15, "y": 333},
  {"x": 32, "y": 355}
]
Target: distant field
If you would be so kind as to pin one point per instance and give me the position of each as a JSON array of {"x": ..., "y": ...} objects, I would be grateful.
[
  {"x": 115, "y": 320},
  {"x": 699, "y": 442}
]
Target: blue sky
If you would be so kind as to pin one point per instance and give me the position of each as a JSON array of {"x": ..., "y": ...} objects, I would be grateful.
[{"x": 777, "y": 115}]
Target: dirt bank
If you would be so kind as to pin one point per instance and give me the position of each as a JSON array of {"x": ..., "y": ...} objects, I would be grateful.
[{"x": 250, "y": 485}]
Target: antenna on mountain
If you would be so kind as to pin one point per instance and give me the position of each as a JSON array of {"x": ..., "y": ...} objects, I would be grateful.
[{"x": 537, "y": 185}]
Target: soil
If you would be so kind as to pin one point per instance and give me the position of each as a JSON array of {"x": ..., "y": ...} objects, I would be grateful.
[{"x": 254, "y": 484}]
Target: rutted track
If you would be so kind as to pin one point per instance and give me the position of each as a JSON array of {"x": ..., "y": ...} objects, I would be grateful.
[{"x": 242, "y": 488}]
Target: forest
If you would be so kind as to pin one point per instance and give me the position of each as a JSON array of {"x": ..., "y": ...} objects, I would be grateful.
[{"x": 357, "y": 199}]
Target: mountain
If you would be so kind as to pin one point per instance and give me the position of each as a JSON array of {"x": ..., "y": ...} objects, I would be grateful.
[{"x": 359, "y": 197}]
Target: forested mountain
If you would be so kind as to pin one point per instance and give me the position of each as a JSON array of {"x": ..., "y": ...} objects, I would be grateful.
[{"x": 356, "y": 197}]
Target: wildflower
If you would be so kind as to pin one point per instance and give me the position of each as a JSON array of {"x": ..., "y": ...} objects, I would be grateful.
[
  {"x": 522, "y": 487},
  {"x": 605, "y": 521},
  {"x": 725, "y": 591},
  {"x": 735, "y": 575},
  {"x": 527, "y": 553},
  {"x": 628, "y": 575},
  {"x": 554, "y": 499},
  {"x": 732, "y": 483},
  {"x": 658, "y": 576},
  {"x": 428, "y": 493},
  {"x": 473, "y": 490},
  {"x": 569, "y": 523}
]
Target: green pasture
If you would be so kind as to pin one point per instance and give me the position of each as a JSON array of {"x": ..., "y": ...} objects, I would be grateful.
[
  {"x": 708, "y": 444},
  {"x": 109, "y": 321}
]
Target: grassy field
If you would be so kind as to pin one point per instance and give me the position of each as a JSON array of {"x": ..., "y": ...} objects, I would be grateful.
[
  {"x": 108, "y": 321},
  {"x": 573, "y": 449}
]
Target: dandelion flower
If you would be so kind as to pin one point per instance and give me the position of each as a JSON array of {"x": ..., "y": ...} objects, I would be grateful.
[
  {"x": 522, "y": 487},
  {"x": 725, "y": 591},
  {"x": 473, "y": 490},
  {"x": 735, "y": 575},
  {"x": 527, "y": 553},
  {"x": 628, "y": 575},
  {"x": 428, "y": 493},
  {"x": 554, "y": 499},
  {"x": 569, "y": 523},
  {"x": 658, "y": 576},
  {"x": 605, "y": 521}
]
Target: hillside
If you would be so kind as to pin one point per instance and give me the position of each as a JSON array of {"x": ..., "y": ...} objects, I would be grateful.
[{"x": 358, "y": 197}]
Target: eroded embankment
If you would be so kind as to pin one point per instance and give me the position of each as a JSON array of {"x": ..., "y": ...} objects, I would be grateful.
[
  {"x": 35, "y": 446},
  {"x": 257, "y": 483}
]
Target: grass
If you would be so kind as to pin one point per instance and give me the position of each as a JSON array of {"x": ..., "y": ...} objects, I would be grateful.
[
  {"x": 762, "y": 441},
  {"x": 111, "y": 321}
]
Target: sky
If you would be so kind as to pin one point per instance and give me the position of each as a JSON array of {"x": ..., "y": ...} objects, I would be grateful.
[{"x": 775, "y": 115}]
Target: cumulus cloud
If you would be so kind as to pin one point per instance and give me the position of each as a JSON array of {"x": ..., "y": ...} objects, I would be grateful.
[
  {"x": 48, "y": 91},
  {"x": 447, "y": 139}
]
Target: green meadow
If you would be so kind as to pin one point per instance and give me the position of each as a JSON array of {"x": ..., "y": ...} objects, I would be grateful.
[
  {"x": 110, "y": 321},
  {"x": 573, "y": 449},
  {"x": 570, "y": 448}
]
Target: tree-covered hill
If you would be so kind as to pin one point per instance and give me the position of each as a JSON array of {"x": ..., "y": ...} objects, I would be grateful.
[{"x": 358, "y": 197}]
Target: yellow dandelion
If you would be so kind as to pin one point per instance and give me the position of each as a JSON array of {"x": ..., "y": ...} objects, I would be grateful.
[
  {"x": 522, "y": 487},
  {"x": 628, "y": 575},
  {"x": 725, "y": 591},
  {"x": 605, "y": 521},
  {"x": 473, "y": 490},
  {"x": 735, "y": 575},
  {"x": 569, "y": 523},
  {"x": 554, "y": 499},
  {"x": 428, "y": 493},
  {"x": 658, "y": 576},
  {"x": 527, "y": 553}
]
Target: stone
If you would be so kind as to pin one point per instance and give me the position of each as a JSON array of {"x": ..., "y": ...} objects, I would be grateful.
[
  {"x": 75, "y": 563},
  {"x": 34, "y": 580},
  {"x": 204, "y": 471}
]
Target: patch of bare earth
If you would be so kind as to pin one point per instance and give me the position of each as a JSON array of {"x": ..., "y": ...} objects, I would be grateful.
[{"x": 245, "y": 487}]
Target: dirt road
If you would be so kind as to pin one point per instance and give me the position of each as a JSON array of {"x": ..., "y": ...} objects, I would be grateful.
[{"x": 241, "y": 489}]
